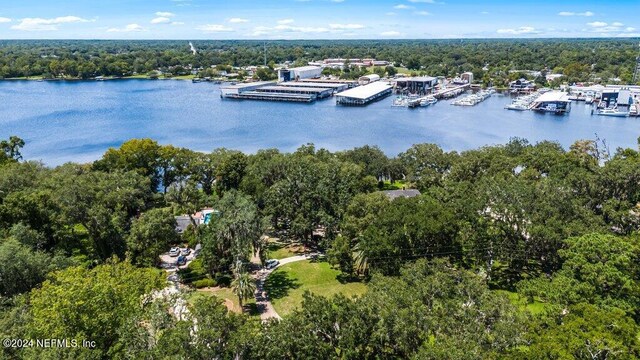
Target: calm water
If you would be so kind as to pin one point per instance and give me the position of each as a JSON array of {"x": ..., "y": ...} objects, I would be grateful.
[{"x": 78, "y": 121}]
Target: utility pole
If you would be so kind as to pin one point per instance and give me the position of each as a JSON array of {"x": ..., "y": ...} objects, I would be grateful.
[
  {"x": 265, "y": 53},
  {"x": 636, "y": 72}
]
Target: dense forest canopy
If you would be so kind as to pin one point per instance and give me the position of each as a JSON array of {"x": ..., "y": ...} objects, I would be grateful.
[
  {"x": 578, "y": 59},
  {"x": 451, "y": 273}
]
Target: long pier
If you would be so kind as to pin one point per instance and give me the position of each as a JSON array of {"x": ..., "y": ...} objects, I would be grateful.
[{"x": 451, "y": 92}]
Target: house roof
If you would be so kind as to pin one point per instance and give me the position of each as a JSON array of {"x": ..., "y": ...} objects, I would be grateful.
[{"x": 394, "y": 194}]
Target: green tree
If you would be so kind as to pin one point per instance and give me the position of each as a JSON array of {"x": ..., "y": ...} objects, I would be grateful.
[
  {"x": 243, "y": 286},
  {"x": 90, "y": 304},
  {"x": 151, "y": 234},
  {"x": 10, "y": 149}
]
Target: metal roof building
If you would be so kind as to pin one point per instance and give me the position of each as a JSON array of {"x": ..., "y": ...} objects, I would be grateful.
[{"x": 363, "y": 95}]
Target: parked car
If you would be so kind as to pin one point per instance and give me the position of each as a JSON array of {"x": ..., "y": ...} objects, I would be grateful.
[
  {"x": 182, "y": 260},
  {"x": 174, "y": 252},
  {"x": 270, "y": 264},
  {"x": 185, "y": 252}
]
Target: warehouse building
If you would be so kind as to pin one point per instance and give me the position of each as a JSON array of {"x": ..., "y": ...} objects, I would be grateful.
[{"x": 303, "y": 72}]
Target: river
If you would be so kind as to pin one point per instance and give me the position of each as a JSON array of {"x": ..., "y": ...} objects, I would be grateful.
[{"x": 77, "y": 121}]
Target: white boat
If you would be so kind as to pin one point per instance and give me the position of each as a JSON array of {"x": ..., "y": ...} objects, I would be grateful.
[
  {"x": 588, "y": 100},
  {"x": 517, "y": 106},
  {"x": 429, "y": 100},
  {"x": 613, "y": 112},
  {"x": 399, "y": 102}
]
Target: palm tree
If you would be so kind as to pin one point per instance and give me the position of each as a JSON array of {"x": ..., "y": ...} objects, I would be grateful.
[
  {"x": 361, "y": 260},
  {"x": 243, "y": 286}
]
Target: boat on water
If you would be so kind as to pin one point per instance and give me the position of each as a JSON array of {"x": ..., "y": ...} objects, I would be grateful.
[
  {"x": 399, "y": 102},
  {"x": 517, "y": 106},
  {"x": 196, "y": 80},
  {"x": 613, "y": 112},
  {"x": 427, "y": 101},
  {"x": 588, "y": 100}
]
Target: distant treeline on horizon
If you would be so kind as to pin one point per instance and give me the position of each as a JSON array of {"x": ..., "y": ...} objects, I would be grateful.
[{"x": 579, "y": 59}]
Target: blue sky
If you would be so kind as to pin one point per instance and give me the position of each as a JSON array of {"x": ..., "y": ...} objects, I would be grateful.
[{"x": 315, "y": 19}]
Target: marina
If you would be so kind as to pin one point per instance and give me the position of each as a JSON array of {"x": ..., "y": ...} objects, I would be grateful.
[{"x": 64, "y": 121}]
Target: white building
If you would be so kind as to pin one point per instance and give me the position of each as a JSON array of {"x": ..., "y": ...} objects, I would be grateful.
[
  {"x": 303, "y": 72},
  {"x": 367, "y": 79}
]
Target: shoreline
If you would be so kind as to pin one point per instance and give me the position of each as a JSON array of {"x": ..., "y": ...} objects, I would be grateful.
[{"x": 94, "y": 79}]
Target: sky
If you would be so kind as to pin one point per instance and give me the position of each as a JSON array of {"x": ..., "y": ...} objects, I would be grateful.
[{"x": 316, "y": 19}]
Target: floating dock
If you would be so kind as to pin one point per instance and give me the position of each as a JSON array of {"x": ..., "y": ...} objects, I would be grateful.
[
  {"x": 256, "y": 95},
  {"x": 451, "y": 92},
  {"x": 234, "y": 90},
  {"x": 349, "y": 83},
  {"x": 319, "y": 93},
  {"x": 268, "y": 90},
  {"x": 337, "y": 87},
  {"x": 362, "y": 95}
]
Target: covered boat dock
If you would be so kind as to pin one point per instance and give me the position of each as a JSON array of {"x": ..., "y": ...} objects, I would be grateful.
[{"x": 363, "y": 95}]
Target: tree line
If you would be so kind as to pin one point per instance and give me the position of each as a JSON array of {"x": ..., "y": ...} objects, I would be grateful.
[
  {"x": 451, "y": 273},
  {"x": 491, "y": 60}
]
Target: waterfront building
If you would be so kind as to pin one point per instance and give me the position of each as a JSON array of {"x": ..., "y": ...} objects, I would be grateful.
[
  {"x": 522, "y": 85},
  {"x": 421, "y": 85},
  {"x": 556, "y": 102},
  {"x": 303, "y": 72},
  {"x": 367, "y": 79}
]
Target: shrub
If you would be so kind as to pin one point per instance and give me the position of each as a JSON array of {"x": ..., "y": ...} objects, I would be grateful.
[{"x": 202, "y": 283}]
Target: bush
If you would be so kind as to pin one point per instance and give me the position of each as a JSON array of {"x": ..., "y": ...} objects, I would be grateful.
[
  {"x": 194, "y": 271},
  {"x": 204, "y": 283},
  {"x": 223, "y": 279}
]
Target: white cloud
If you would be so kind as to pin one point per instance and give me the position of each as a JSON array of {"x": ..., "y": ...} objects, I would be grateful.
[
  {"x": 403, "y": 7},
  {"x": 214, "y": 28},
  {"x": 161, "y": 20},
  {"x": 285, "y": 21},
  {"x": 238, "y": 20},
  {"x": 605, "y": 29},
  {"x": 423, "y": 1},
  {"x": 128, "y": 28},
  {"x": 177, "y": 23},
  {"x": 40, "y": 24},
  {"x": 346, "y": 26},
  {"x": 165, "y": 14},
  {"x": 519, "y": 31},
  {"x": 337, "y": 1},
  {"x": 301, "y": 29},
  {"x": 484, "y": 12},
  {"x": 389, "y": 33},
  {"x": 4, "y": 20},
  {"x": 391, "y": 14},
  {"x": 422, "y": 13},
  {"x": 260, "y": 31},
  {"x": 631, "y": 35},
  {"x": 571, "y": 13}
]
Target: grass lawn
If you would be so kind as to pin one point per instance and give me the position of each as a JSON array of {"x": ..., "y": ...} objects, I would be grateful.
[
  {"x": 279, "y": 250},
  {"x": 286, "y": 285},
  {"x": 229, "y": 299},
  {"x": 536, "y": 307},
  {"x": 183, "y": 77},
  {"x": 397, "y": 185}
]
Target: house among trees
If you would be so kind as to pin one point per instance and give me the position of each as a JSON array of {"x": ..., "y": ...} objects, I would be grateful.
[
  {"x": 202, "y": 217},
  {"x": 406, "y": 193}
]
